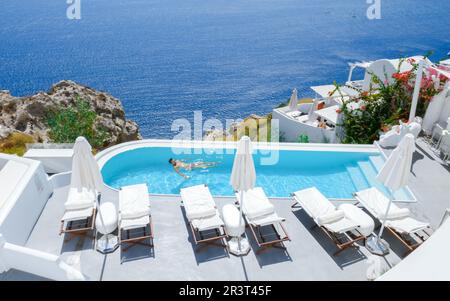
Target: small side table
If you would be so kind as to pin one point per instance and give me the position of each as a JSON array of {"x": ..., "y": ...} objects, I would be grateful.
[
  {"x": 106, "y": 223},
  {"x": 235, "y": 226}
]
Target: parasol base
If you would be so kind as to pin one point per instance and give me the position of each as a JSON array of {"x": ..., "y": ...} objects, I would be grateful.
[
  {"x": 239, "y": 246},
  {"x": 107, "y": 243},
  {"x": 377, "y": 246}
]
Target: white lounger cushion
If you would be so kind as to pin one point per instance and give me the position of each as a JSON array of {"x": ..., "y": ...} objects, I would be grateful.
[
  {"x": 208, "y": 223},
  {"x": 133, "y": 223},
  {"x": 330, "y": 217},
  {"x": 256, "y": 204},
  {"x": 323, "y": 212},
  {"x": 75, "y": 215},
  {"x": 134, "y": 201},
  {"x": 407, "y": 225},
  {"x": 340, "y": 226},
  {"x": 398, "y": 218},
  {"x": 80, "y": 199},
  {"x": 198, "y": 202},
  {"x": 314, "y": 202},
  {"x": 376, "y": 202},
  {"x": 398, "y": 214},
  {"x": 264, "y": 220}
]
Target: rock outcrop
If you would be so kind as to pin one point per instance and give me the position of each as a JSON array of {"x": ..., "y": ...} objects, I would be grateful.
[{"x": 28, "y": 114}]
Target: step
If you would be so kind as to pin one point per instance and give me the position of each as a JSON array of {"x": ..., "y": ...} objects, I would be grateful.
[
  {"x": 358, "y": 178},
  {"x": 402, "y": 194},
  {"x": 377, "y": 162},
  {"x": 369, "y": 171}
]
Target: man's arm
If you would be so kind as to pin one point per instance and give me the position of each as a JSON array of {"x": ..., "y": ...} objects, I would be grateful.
[{"x": 180, "y": 173}]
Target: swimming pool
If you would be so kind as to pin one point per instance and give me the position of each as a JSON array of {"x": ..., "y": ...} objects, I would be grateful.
[{"x": 337, "y": 174}]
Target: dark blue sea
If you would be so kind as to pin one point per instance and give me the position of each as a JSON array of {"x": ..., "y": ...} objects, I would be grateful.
[{"x": 229, "y": 58}]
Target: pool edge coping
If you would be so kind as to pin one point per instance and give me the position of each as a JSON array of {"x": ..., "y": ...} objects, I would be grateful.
[{"x": 105, "y": 155}]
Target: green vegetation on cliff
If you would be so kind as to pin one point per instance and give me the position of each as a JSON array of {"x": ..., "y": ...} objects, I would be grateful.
[{"x": 68, "y": 123}]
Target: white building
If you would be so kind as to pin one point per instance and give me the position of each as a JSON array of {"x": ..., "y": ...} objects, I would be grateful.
[
  {"x": 319, "y": 124},
  {"x": 25, "y": 189}
]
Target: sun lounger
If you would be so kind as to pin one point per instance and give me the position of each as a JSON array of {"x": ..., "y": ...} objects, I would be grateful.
[
  {"x": 79, "y": 214},
  {"x": 294, "y": 114},
  {"x": 135, "y": 222},
  {"x": 261, "y": 216},
  {"x": 336, "y": 223},
  {"x": 408, "y": 230},
  {"x": 444, "y": 145},
  {"x": 204, "y": 218}
]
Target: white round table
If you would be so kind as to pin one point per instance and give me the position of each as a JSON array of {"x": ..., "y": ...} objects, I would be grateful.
[
  {"x": 106, "y": 223},
  {"x": 235, "y": 226}
]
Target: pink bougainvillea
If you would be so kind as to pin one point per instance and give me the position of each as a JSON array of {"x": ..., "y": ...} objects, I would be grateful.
[{"x": 387, "y": 103}]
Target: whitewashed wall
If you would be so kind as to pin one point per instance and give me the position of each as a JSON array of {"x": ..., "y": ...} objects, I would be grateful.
[
  {"x": 36, "y": 262},
  {"x": 18, "y": 215},
  {"x": 23, "y": 207},
  {"x": 290, "y": 130}
]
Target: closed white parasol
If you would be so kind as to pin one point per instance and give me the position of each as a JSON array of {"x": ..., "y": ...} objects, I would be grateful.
[
  {"x": 243, "y": 178},
  {"x": 394, "y": 175},
  {"x": 85, "y": 170}
]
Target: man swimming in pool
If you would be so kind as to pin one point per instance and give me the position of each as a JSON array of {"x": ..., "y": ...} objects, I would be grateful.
[{"x": 180, "y": 164}]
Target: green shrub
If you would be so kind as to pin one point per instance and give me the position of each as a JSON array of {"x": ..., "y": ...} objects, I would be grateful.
[
  {"x": 67, "y": 124},
  {"x": 303, "y": 138},
  {"x": 376, "y": 110}
]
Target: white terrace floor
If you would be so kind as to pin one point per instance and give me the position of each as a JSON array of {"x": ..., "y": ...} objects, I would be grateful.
[
  {"x": 430, "y": 182},
  {"x": 309, "y": 255}
]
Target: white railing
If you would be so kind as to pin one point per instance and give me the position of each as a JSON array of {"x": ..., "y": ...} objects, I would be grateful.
[{"x": 60, "y": 179}]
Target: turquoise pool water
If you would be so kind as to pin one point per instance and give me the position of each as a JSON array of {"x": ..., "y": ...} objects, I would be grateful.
[{"x": 335, "y": 174}]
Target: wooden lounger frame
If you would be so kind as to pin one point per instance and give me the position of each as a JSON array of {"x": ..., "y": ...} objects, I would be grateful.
[
  {"x": 79, "y": 228},
  {"x": 260, "y": 239},
  {"x": 342, "y": 241},
  {"x": 139, "y": 240},
  {"x": 342, "y": 245},
  {"x": 410, "y": 240},
  {"x": 203, "y": 241}
]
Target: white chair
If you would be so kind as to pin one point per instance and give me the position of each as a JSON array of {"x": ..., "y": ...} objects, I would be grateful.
[
  {"x": 396, "y": 134},
  {"x": 336, "y": 223},
  {"x": 444, "y": 145},
  {"x": 135, "y": 220},
  {"x": 399, "y": 222},
  {"x": 204, "y": 219},
  {"x": 259, "y": 213},
  {"x": 79, "y": 214},
  {"x": 435, "y": 135}
]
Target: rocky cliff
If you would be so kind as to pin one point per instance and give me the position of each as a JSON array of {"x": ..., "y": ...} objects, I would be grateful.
[{"x": 28, "y": 114}]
